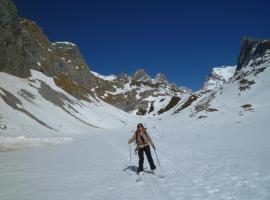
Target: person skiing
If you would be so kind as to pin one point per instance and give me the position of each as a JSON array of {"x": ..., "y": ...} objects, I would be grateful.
[{"x": 143, "y": 140}]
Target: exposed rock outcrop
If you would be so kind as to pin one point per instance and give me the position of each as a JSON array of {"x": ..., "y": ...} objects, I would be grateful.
[{"x": 251, "y": 49}]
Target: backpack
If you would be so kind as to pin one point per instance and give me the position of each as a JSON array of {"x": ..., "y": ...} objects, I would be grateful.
[{"x": 140, "y": 136}]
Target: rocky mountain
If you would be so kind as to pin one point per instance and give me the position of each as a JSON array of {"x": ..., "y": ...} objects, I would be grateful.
[
  {"x": 218, "y": 76},
  {"x": 139, "y": 93},
  {"x": 24, "y": 47}
]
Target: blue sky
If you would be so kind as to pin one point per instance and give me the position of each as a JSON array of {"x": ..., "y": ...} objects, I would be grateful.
[{"x": 182, "y": 39}]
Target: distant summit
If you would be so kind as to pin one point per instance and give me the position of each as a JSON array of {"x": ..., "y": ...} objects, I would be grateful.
[
  {"x": 140, "y": 75},
  {"x": 160, "y": 77},
  {"x": 218, "y": 76}
]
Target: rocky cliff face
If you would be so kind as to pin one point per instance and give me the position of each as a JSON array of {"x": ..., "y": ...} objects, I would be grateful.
[
  {"x": 251, "y": 49},
  {"x": 12, "y": 51},
  {"x": 24, "y": 46}
]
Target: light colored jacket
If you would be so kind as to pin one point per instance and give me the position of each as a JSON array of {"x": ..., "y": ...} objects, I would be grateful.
[{"x": 141, "y": 141}]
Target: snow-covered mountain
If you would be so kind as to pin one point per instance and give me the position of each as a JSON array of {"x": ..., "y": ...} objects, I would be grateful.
[
  {"x": 139, "y": 94},
  {"x": 236, "y": 94}
]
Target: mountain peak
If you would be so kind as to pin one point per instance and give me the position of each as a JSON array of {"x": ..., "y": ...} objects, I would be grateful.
[
  {"x": 141, "y": 75},
  {"x": 160, "y": 77},
  {"x": 218, "y": 76},
  {"x": 123, "y": 77}
]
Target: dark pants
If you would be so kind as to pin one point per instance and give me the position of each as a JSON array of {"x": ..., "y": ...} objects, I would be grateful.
[{"x": 147, "y": 151}]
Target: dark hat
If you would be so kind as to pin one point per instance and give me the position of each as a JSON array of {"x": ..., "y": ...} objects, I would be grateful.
[{"x": 140, "y": 125}]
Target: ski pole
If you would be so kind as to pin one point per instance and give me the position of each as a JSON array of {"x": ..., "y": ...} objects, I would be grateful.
[
  {"x": 129, "y": 156},
  {"x": 161, "y": 176},
  {"x": 157, "y": 159}
]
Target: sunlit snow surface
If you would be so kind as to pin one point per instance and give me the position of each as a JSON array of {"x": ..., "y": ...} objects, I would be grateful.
[{"x": 200, "y": 160}]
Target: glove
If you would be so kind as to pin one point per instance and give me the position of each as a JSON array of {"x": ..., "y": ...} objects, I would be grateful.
[{"x": 154, "y": 147}]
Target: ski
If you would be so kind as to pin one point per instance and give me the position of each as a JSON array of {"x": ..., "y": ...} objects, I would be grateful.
[{"x": 158, "y": 175}]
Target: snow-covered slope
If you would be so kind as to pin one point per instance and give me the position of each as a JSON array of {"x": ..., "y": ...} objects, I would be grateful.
[
  {"x": 218, "y": 76},
  {"x": 36, "y": 107}
]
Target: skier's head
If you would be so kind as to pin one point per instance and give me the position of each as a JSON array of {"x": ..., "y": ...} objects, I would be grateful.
[{"x": 140, "y": 126}]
